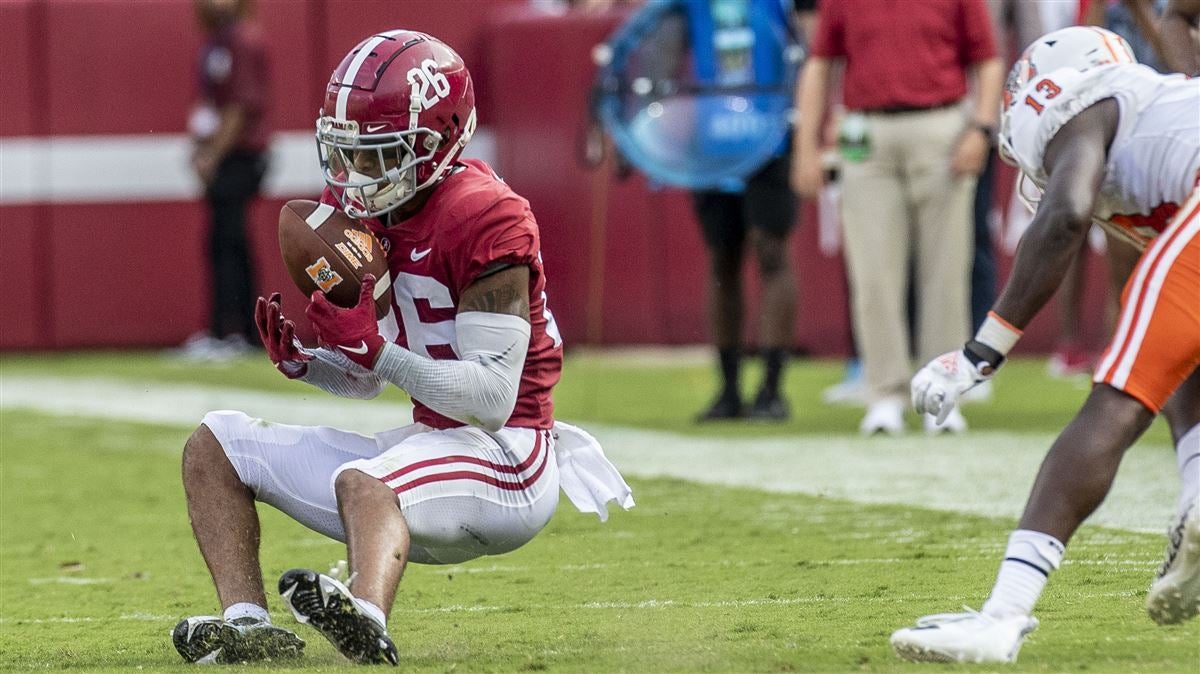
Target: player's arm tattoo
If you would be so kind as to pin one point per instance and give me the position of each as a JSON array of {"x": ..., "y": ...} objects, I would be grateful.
[{"x": 505, "y": 291}]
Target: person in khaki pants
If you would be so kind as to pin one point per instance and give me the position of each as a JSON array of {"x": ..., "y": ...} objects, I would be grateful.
[{"x": 912, "y": 151}]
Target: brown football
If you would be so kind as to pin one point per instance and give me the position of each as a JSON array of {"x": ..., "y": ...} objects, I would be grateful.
[{"x": 325, "y": 249}]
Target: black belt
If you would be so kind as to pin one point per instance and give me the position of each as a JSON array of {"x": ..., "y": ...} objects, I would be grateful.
[{"x": 901, "y": 109}]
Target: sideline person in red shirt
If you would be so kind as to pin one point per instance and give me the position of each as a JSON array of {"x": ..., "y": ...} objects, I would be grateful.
[{"x": 911, "y": 154}]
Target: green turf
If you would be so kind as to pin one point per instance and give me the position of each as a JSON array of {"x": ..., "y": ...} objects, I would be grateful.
[
  {"x": 603, "y": 388},
  {"x": 97, "y": 561}
]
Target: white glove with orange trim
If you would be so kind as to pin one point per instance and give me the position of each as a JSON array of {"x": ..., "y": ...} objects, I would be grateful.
[{"x": 937, "y": 386}]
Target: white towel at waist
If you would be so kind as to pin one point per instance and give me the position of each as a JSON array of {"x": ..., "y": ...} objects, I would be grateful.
[{"x": 585, "y": 474}]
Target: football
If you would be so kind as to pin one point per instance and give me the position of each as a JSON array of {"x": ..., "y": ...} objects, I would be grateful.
[{"x": 325, "y": 249}]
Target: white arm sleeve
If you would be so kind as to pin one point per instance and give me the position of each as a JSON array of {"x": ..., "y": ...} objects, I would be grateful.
[
  {"x": 480, "y": 389},
  {"x": 334, "y": 373}
]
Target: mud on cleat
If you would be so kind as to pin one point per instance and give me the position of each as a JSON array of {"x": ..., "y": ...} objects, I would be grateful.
[
  {"x": 211, "y": 640},
  {"x": 1175, "y": 594},
  {"x": 963, "y": 637},
  {"x": 327, "y": 605}
]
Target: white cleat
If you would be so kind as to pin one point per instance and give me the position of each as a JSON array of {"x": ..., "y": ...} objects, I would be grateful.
[
  {"x": 955, "y": 423},
  {"x": 963, "y": 637},
  {"x": 884, "y": 416},
  {"x": 1175, "y": 594}
]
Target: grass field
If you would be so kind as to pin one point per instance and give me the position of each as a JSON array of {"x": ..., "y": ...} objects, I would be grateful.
[{"x": 796, "y": 547}]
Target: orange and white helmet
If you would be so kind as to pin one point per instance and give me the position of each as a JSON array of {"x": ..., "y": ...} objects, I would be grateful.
[
  {"x": 1077, "y": 47},
  {"x": 1080, "y": 48}
]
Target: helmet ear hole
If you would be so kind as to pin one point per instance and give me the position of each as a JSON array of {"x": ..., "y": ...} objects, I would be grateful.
[{"x": 433, "y": 141}]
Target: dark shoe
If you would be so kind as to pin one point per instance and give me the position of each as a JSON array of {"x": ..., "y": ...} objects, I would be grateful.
[
  {"x": 328, "y": 606},
  {"x": 724, "y": 407},
  {"x": 770, "y": 407},
  {"x": 209, "y": 639}
]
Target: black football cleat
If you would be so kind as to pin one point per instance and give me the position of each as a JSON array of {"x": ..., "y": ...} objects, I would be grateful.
[
  {"x": 212, "y": 640},
  {"x": 327, "y": 605},
  {"x": 769, "y": 407},
  {"x": 725, "y": 407}
]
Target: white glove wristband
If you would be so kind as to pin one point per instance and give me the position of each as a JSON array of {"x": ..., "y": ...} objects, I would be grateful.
[{"x": 998, "y": 334}]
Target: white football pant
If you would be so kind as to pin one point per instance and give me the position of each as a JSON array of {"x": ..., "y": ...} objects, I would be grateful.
[{"x": 464, "y": 492}]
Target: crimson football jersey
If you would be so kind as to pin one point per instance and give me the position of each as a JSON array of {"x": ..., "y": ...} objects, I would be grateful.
[{"x": 471, "y": 221}]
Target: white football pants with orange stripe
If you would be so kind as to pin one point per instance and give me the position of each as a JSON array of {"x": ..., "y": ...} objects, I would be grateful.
[
  {"x": 464, "y": 492},
  {"x": 1157, "y": 342}
]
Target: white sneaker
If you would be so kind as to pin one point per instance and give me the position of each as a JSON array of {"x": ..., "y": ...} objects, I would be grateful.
[
  {"x": 954, "y": 423},
  {"x": 851, "y": 392},
  {"x": 235, "y": 345},
  {"x": 963, "y": 637},
  {"x": 1175, "y": 594},
  {"x": 884, "y": 416}
]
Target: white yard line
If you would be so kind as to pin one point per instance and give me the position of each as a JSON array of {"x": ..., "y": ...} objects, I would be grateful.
[{"x": 984, "y": 473}]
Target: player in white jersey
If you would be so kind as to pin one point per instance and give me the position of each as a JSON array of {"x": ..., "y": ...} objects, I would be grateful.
[{"x": 1103, "y": 139}]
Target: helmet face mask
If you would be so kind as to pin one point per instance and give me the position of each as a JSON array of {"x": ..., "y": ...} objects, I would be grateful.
[
  {"x": 1018, "y": 76},
  {"x": 397, "y": 113},
  {"x": 393, "y": 157}
]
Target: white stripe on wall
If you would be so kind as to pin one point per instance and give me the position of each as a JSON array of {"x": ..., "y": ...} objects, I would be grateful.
[{"x": 151, "y": 167}]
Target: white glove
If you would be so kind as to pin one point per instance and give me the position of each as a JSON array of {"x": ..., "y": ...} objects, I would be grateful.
[{"x": 937, "y": 386}]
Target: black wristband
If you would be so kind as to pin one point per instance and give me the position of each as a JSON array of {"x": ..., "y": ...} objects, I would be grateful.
[{"x": 987, "y": 359}]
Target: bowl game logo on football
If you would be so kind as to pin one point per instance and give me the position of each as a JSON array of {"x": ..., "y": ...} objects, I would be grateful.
[{"x": 321, "y": 274}]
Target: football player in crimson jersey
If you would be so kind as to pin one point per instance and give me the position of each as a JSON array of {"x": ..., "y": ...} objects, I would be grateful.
[
  {"x": 470, "y": 338},
  {"x": 1103, "y": 139}
]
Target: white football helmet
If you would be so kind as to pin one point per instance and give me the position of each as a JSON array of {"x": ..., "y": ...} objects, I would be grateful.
[{"x": 1078, "y": 47}]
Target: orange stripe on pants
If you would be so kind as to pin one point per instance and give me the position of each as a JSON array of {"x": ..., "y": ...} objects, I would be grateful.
[{"x": 1159, "y": 343}]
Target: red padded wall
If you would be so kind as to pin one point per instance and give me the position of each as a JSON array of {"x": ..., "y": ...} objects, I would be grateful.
[
  {"x": 22, "y": 317},
  {"x": 22, "y": 21},
  {"x": 24, "y": 304},
  {"x": 626, "y": 262}
]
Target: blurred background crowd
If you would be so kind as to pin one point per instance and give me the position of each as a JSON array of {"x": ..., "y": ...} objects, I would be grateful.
[{"x": 149, "y": 145}]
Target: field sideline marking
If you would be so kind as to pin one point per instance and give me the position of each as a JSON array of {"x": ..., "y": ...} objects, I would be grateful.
[{"x": 983, "y": 473}]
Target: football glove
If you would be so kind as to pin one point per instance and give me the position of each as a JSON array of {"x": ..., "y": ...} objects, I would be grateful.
[
  {"x": 937, "y": 386},
  {"x": 353, "y": 332},
  {"x": 278, "y": 335}
]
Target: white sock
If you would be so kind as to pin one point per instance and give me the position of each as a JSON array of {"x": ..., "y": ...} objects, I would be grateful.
[
  {"x": 1187, "y": 453},
  {"x": 1028, "y": 561},
  {"x": 246, "y": 609},
  {"x": 372, "y": 610}
]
